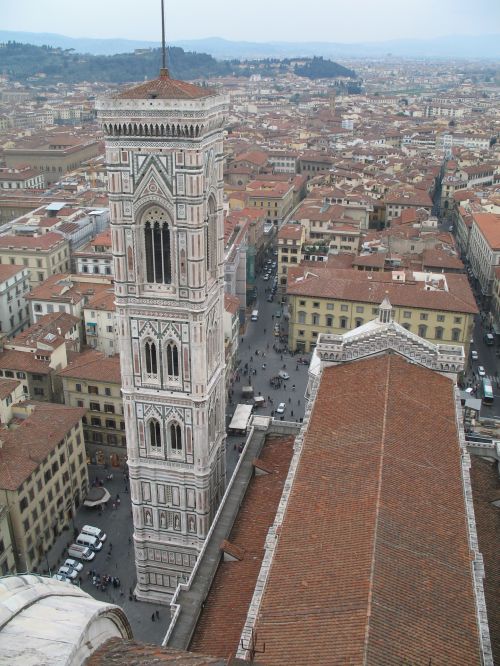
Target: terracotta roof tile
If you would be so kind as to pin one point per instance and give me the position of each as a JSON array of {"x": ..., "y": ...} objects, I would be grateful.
[
  {"x": 25, "y": 447},
  {"x": 373, "y": 564},
  {"x": 93, "y": 365},
  {"x": 116, "y": 652},
  {"x": 324, "y": 281},
  {"x": 222, "y": 618},
  {"x": 166, "y": 88}
]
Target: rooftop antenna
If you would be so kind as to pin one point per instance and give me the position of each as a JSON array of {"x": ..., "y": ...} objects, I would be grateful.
[{"x": 163, "y": 70}]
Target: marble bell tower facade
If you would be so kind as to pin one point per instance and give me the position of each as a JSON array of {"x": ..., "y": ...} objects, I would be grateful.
[{"x": 164, "y": 153}]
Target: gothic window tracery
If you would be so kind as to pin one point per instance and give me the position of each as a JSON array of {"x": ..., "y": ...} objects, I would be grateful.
[
  {"x": 172, "y": 353},
  {"x": 175, "y": 437},
  {"x": 151, "y": 357},
  {"x": 157, "y": 245},
  {"x": 154, "y": 428}
]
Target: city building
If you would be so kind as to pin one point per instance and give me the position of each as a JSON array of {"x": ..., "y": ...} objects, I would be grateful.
[
  {"x": 274, "y": 198},
  {"x": 484, "y": 250},
  {"x": 92, "y": 381},
  {"x": 7, "y": 559},
  {"x": 289, "y": 245},
  {"x": 96, "y": 257},
  {"x": 14, "y": 311},
  {"x": 22, "y": 178},
  {"x": 99, "y": 315},
  {"x": 164, "y": 153},
  {"x": 54, "y": 154},
  {"x": 43, "y": 255},
  {"x": 64, "y": 292},
  {"x": 321, "y": 299},
  {"x": 43, "y": 476}
]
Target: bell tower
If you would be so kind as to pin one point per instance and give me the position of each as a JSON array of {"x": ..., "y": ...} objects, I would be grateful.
[{"x": 164, "y": 152}]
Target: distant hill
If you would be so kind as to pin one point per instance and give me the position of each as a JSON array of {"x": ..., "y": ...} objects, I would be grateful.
[
  {"x": 29, "y": 63},
  {"x": 448, "y": 46},
  {"x": 23, "y": 62}
]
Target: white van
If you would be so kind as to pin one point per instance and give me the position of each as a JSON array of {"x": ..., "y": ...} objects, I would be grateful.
[
  {"x": 89, "y": 541},
  {"x": 255, "y": 315},
  {"x": 94, "y": 531},
  {"x": 81, "y": 552}
]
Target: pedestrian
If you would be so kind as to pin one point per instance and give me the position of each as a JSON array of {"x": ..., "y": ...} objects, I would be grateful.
[
  {"x": 298, "y": 401},
  {"x": 157, "y": 613},
  {"x": 118, "y": 501},
  {"x": 153, "y": 617},
  {"x": 113, "y": 506},
  {"x": 291, "y": 413},
  {"x": 265, "y": 331},
  {"x": 289, "y": 400}
]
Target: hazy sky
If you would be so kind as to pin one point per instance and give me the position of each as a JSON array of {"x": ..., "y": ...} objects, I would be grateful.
[{"x": 255, "y": 20}]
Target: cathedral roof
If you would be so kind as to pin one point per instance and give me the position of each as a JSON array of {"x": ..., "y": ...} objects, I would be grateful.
[{"x": 166, "y": 88}]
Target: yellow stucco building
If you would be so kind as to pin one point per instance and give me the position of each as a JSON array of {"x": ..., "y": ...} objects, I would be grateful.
[{"x": 437, "y": 307}]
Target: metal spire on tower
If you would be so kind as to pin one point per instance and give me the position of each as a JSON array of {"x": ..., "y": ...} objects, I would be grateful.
[{"x": 164, "y": 69}]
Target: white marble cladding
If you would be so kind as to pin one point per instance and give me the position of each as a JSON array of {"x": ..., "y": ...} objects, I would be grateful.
[
  {"x": 477, "y": 563},
  {"x": 333, "y": 349}
]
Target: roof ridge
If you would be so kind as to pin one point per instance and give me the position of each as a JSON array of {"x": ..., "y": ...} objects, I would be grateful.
[{"x": 377, "y": 511}]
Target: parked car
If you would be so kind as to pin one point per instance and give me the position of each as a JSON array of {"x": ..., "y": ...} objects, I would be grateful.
[
  {"x": 73, "y": 564},
  {"x": 481, "y": 371},
  {"x": 68, "y": 572},
  {"x": 62, "y": 578},
  {"x": 283, "y": 374},
  {"x": 265, "y": 277},
  {"x": 281, "y": 408},
  {"x": 474, "y": 355},
  {"x": 270, "y": 298}
]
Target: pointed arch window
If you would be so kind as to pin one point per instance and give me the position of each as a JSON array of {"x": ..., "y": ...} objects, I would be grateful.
[
  {"x": 172, "y": 360},
  {"x": 175, "y": 437},
  {"x": 157, "y": 247},
  {"x": 151, "y": 357},
  {"x": 154, "y": 434}
]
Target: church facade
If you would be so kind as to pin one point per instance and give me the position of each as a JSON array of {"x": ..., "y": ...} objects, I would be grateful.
[{"x": 164, "y": 151}]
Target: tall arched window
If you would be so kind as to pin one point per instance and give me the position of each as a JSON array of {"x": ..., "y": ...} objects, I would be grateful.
[
  {"x": 151, "y": 358},
  {"x": 172, "y": 360},
  {"x": 154, "y": 433},
  {"x": 439, "y": 333},
  {"x": 175, "y": 437},
  {"x": 157, "y": 247}
]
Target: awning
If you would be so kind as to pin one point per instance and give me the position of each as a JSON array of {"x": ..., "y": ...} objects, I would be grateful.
[{"x": 96, "y": 497}]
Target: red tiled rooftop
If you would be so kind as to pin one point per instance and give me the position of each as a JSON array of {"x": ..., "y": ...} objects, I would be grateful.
[
  {"x": 373, "y": 564},
  {"x": 24, "y": 448},
  {"x": 93, "y": 365},
  {"x": 166, "y": 88},
  {"x": 223, "y": 616}
]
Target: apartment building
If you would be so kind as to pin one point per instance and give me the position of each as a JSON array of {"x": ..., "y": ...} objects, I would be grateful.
[
  {"x": 484, "y": 250},
  {"x": 44, "y": 255},
  {"x": 7, "y": 559},
  {"x": 290, "y": 239},
  {"x": 65, "y": 293},
  {"x": 92, "y": 381},
  {"x": 274, "y": 198},
  {"x": 99, "y": 322},
  {"x": 21, "y": 179},
  {"x": 43, "y": 477},
  {"x": 435, "y": 306},
  {"x": 96, "y": 257},
  {"x": 53, "y": 155},
  {"x": 11, "y": 393},
  {"x": 399, "y": 200},
  {"x": 14, "y": 311}
]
